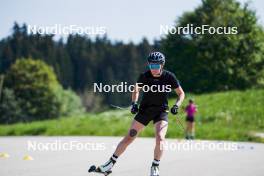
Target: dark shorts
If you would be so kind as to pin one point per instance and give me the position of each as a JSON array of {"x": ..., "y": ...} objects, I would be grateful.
[
  {"x": 144, "y": 116},
  {"x": 190, "y": 119}
]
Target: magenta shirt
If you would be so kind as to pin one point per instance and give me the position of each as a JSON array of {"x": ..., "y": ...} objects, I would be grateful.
[{"x": 190, "y": 110}]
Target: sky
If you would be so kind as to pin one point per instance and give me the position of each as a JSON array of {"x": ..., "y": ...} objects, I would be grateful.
[{"x": 121, "y": 19}]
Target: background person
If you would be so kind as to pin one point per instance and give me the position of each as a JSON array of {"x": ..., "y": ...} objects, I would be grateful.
[{"x": 190, "y": 110}]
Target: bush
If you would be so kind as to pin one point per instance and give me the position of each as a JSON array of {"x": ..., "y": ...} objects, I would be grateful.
[
  {"x": 35, "y": 84},
  {"x": 33, "y": 93},
  {"x": 71, "y": 103}
]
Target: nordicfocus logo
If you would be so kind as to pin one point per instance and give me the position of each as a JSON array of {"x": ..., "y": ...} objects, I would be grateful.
[
  {"x": 124, "y": 87},
  {"x": 66, "y": 30},
  {"x": 191, "y": 29}
]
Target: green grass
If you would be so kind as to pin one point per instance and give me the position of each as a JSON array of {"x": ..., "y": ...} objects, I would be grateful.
[{"x": 232, "y": 115}]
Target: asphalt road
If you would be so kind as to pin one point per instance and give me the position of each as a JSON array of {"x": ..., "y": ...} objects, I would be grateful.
[{"x": 71, "y": 156}]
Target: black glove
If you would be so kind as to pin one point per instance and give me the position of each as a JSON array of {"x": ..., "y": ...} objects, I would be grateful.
[
  {"x": 174, "y": 109},
  {"x": 134, "y": 108}
]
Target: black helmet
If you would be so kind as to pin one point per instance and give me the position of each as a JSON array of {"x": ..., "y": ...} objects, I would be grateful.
[{"x": 156, "y": 57}]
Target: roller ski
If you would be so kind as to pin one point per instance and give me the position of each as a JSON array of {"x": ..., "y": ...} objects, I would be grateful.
[
  {"x": 98, "y": 170},
  {"x": 106, "y": 168}
]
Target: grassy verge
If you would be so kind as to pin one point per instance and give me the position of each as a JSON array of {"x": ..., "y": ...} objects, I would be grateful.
[{"x": 232, "y": 115}]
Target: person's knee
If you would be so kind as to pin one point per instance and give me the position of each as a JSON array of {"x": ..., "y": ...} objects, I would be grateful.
[
  {"x": 133, "y": 133},
  {"x": 130, "y": 137}
]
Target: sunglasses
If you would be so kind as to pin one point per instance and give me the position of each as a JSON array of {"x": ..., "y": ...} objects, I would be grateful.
[{"x": 154, "y": 66}]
